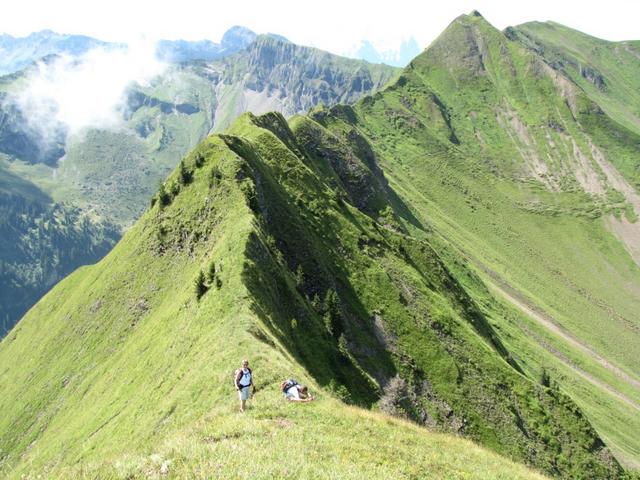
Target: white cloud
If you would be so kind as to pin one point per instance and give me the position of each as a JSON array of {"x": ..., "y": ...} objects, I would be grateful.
[{"x": 85, "y": 92}]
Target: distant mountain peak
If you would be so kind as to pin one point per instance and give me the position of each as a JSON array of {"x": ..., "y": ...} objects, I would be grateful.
[
  {"x": 234, "y": 39},
  {"x": 20, "y": 52},
  {"x": 237, "y": 36}
]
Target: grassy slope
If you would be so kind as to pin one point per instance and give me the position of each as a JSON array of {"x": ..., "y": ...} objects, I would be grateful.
[
  {"x": 392, "y": 290},
  {"x": 136, "y": 362},
  {"x": 325, "y": 440},
  {"x": 438, "y": 342},
  {"x": 608, "y": 72},
  {"x": 138, "y": 370},
  {"x": 472, "y": 190}
]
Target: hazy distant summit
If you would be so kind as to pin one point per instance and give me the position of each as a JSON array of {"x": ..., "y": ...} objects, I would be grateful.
[
  {"x": 17, "y": 53},
  {"x": 234, "y": 40}
]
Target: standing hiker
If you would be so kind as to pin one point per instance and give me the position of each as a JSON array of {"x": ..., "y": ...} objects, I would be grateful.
[{"x": 244, "y": 380}]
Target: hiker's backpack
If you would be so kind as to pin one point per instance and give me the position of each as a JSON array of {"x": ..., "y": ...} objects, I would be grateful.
[
  {"x": 287, "y": 384},
  {"x": 237, "y": 375}
]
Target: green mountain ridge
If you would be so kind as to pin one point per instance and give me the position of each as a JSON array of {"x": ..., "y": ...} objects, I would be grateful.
[
  {"x": 306, "y": 276},
  {"x": 446, "y": 251},
  {"x": 524, "y": 176},
  {"x": 606, "y": 71}
]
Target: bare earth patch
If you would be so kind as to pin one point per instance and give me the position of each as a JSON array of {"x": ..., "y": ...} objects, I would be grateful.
[{"x": 627, "y": 232}]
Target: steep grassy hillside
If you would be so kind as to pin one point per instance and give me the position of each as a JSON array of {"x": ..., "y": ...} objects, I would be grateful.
[
  {"x": 510, "y": 165},
  {"x": 608, "y": 72},
  {"x": 110, "y": 175},
  {"x": 458, "y": 250},
  {"x": 309, "y": 270}
]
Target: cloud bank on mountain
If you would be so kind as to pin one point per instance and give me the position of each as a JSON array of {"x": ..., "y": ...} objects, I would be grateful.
[{"x": 78, "y": 93}]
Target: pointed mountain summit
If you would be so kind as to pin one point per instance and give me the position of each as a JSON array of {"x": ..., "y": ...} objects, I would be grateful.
[
  {"x": 237, "y": 38},
  {"x": 522, "y": 170},
  {"x": 233, "y": 40},
  {"x": 466, "y": 45}
]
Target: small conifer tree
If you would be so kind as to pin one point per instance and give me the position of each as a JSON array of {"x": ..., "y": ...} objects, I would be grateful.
[
  {"x": 211, "y": 274},
  {"x": 215, "y": 177},
  {"x": 185, "y": 175},
  {"x": 200, "y": 285},
  {"x": 299, "y": 277},
  {"x": 332, "y": 315},
  {"x": 545, "y": 379},
  {"x": 163, "y": 196}
]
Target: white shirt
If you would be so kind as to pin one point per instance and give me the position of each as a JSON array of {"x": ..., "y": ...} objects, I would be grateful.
[
  {"x": 245, "y": 378},
  {"x": 293, "y": 392}
]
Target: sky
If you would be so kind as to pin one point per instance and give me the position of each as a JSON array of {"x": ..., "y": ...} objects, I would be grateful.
[{"x": 338, "y": 26}]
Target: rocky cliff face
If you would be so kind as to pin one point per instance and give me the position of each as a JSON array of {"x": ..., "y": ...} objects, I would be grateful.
[{"x": 273, "y": 74}]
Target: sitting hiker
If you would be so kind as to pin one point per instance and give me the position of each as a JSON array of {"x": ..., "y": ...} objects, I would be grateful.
[
  {"x": 244, "y": 380},
  {"x": 294, "y": 392}
]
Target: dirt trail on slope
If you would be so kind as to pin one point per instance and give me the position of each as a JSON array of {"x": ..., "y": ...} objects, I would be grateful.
[{"x": 544, "y": 319}]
